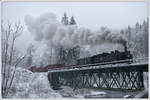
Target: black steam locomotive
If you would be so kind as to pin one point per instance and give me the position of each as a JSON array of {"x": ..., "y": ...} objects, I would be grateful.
[{"x": 114, "y": 56}]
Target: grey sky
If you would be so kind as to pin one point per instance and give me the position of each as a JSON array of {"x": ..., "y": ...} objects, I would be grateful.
[{"x": 93, "y": 15}]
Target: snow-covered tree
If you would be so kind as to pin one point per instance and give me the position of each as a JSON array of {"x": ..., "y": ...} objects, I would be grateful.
[
  {"x": 64, "y": 20},
  {"x": 72, "y": 21},
  {"x": 122, "y": 32},
  {"x": 30, "y": 51},
  {"x": 137, "y": 37},
  {"x": 137, "y": 27},
  {"x": 68, "y": 56},
  {"x": 129, "y": 36},
  {"x": 10, "y": 33}
]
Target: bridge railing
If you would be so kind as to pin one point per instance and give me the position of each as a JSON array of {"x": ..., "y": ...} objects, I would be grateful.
[
  {"x": 128, "y": 61},
  {"x": 140, "y": 60}
]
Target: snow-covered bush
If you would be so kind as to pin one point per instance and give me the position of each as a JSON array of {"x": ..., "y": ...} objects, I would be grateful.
[{"x": 31, "y": 85}]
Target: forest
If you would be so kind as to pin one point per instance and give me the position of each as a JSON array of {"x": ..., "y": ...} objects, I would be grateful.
[{"x": 65, "y": 43}]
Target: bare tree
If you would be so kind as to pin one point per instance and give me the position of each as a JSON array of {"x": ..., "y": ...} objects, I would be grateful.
[
  {"x": 16, "y": 64},
  {"x": 15, "y": 33},
  {"x": 10, "y": 33},
  {"x": 5, "y": 45}
]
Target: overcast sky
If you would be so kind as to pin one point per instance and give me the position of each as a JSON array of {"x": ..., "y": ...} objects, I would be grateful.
[{"x": 92, "y": 15}]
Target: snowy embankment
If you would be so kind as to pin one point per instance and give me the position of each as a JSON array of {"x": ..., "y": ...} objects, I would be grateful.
[
  {"x": 145, "y": 75},
  {"x": 36, "y": 85},
  {"x": 68, "y": 92},
  {"x": 31, "y": 85}
]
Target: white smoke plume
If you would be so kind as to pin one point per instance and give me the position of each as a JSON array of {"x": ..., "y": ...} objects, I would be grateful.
[{"x": 47, "y": 28}]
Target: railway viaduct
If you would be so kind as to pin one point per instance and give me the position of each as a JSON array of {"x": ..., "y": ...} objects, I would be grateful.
[{"x": 118, "y": 76}]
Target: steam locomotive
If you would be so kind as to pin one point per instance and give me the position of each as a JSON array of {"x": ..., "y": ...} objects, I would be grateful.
[
  {"x": 104, "y": 58},
  {"x": 114, "y": 56}
]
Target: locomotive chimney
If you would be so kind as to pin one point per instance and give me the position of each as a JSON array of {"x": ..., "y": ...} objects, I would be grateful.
[{"x": 125, "y": 47}]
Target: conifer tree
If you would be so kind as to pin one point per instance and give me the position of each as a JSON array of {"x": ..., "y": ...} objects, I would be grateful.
[
  {"x": 64, "y": 20},
  {"x": 129, "y": 36},
  {"x": 122, "y": 32},
  {"x": 72, "y": 21}
]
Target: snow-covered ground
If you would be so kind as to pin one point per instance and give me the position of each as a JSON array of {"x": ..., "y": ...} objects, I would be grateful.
[
  {"x": 36, "y": 85},
  {"x": 69, "y": 92},
  {"x": 31, "y": 85}
]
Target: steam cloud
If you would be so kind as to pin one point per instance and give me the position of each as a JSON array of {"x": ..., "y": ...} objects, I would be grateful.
[{"x": 47, "y": 28}]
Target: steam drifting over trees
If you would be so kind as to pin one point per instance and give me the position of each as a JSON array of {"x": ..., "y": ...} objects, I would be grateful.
[{"x": 49, "y": 30}]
